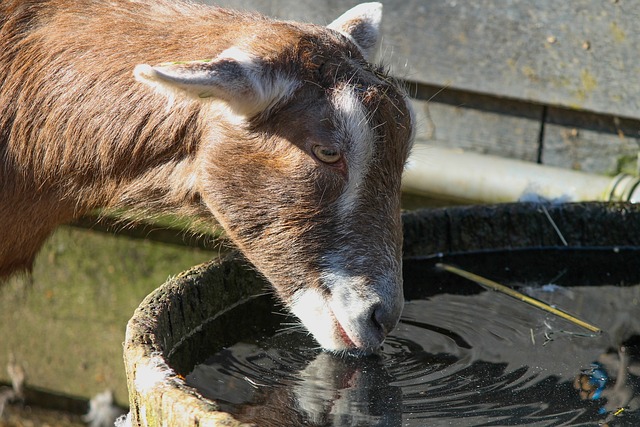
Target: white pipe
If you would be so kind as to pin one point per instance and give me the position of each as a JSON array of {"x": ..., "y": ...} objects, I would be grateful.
[{"x": 468, "y": 177}]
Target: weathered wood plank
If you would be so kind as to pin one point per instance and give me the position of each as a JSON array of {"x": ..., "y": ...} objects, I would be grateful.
[
  {"x": 480, "y": 124},
  {"x": 580, "y": 54},
  {"x": 591, "y": 143}
]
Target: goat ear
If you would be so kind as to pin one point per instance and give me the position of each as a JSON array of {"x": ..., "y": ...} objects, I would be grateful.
[
  {"x": 361, "y": 24},
  {"x": 237, "y": 79}
]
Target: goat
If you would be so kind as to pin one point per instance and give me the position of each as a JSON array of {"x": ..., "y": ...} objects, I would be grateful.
[{"x": 282, "y": 133}]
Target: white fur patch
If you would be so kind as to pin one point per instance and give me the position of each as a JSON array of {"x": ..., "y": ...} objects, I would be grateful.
[
  {"x": 355, "y": 131},
  {"x": 310, "y": 306},
  {"x": 349, "y": 304}
]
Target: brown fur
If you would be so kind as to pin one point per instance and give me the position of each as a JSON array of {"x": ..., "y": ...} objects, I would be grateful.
[{"x": 77, "y": 132}]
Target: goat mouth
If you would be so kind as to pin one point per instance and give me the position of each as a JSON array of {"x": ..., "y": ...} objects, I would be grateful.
[{"x": 343, "y": 334}]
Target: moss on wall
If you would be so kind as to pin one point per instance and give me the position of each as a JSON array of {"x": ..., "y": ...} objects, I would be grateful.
[{"x": 65, "y": 324}]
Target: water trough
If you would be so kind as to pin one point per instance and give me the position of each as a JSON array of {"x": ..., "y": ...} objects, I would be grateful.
[{"x": 190, "y": 317}]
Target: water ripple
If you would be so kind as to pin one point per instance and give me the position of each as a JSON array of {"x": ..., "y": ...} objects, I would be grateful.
[{"x": 464, "y": 360}]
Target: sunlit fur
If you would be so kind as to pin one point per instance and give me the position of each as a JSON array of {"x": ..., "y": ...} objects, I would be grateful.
[{"x": 220, "y": 124}]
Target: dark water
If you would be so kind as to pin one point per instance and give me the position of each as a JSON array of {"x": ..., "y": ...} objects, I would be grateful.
[{"x": 460, "y": 356}]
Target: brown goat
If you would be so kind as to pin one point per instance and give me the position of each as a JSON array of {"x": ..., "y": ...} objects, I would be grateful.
[{"x": 281, "y": 131}]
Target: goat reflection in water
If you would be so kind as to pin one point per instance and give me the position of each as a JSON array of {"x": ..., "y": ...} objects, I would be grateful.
[
  {"x": 328, "y": 390},
  {"x": 407, "y": 386}
]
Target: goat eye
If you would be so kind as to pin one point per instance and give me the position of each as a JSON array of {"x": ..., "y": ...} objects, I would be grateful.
[{"x": 326, "y": 154}]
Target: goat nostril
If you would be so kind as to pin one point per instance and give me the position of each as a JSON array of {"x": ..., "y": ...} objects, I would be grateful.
[{"x": 377, "y": 317}]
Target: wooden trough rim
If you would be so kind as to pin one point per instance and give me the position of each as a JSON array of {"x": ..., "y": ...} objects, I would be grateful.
[{"x": 158, "y": 396}]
